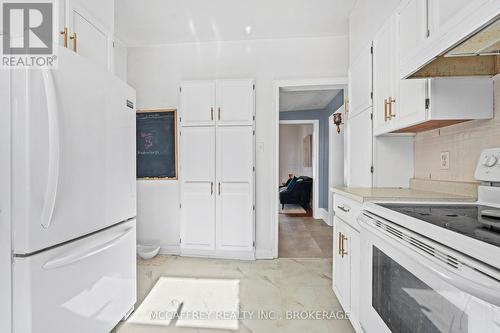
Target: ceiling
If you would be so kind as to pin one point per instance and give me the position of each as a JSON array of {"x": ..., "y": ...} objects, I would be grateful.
[
  {"x": 306, "y": 100},
  {"x": 151, "y": 22}
]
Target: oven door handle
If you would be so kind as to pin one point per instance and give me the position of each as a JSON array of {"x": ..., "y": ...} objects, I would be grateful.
[{"x": 470, "y": 280}]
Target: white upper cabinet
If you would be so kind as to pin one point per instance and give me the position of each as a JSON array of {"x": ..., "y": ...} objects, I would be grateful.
[
  {"x": 413, "y": 27},
  {"x": 384, "y": 85},
  {"x": 430, "y": 27},
  {"x": 415, "y": 105},
  {"x": 222, "y": 102},
  {"x": 197, "y": 103},
  {"x": 235, "y": 102},
  {"x": 445, "y": 15},
  {"x": 360, "y": 82},
  {"x": 87, "y": 28},
  {"x": 89, "y": 38}
]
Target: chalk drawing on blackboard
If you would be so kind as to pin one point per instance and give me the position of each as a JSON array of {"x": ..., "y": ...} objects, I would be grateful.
[{"x": 156, "y": 134}]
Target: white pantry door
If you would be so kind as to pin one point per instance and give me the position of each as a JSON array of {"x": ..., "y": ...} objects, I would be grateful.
[
  {"x": 197, "y": 188},
  {"x": 235, "y": 214},
  {"x": 197, "y": 103},
  {"x": 235, "y": 102}
]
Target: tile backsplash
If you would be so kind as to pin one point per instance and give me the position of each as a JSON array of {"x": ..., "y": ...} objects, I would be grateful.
[{"x": 464, "y": 142}]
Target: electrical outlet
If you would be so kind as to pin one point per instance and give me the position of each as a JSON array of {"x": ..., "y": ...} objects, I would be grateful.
[{"x": 445, "y": 160}]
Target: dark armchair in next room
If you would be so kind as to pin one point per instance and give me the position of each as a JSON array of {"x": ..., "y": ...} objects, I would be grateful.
[{"x": 298, "y": 192}]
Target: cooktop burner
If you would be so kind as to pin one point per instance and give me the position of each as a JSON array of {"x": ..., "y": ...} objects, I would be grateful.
[{"x": 476, "y": 221}]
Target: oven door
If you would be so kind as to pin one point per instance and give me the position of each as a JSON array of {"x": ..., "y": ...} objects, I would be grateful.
[{"x": 411, "y": 284}]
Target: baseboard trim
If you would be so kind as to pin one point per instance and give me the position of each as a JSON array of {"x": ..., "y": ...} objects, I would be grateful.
[
  {"x": 170, "y": 249},
  {"x": 264, "y": 254},
  {"x": 219, "y": 254},
  {"x": 323, "y": 215}
]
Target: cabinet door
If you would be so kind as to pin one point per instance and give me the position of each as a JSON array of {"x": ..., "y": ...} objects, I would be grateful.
[
  {"x": 352, "y": 243},
  {"x": 341, "y": 262},
  {"x": 235, "y": 187},
  {"x": 93, "y": 41},
  {"x": 361, "y": 82},
  {"x": 359, "y": 137},
  {"x": 444, "y": 15},
  {"x": 197, "y": 188},
  {"x": 412, "y": 28},
  {"x": 197, "y": 103},
  {"x": 383, "y": 76},
  {"x": 235, "y": 102}
]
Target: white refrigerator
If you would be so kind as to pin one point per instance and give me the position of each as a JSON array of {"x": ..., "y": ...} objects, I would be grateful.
[{"x": 73, "y": 199}]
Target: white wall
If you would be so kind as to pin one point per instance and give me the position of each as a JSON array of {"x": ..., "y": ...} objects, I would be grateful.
[
  {"x": 292, "y": 150},
  {"x": 366, "y": 18},
  {"x": 157, "y": 214},
  {"x": 120, "y": 59},
  {"x": 464, "y": 142},
  {"x": 155, "y": 72}
]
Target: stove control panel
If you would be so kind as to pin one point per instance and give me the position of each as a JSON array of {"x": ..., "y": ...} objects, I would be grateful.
[{"x": 488, "y": 167}]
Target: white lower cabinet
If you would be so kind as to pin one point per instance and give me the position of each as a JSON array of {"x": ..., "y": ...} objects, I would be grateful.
[
  {"x": 235, "y": 214},
  {"x": 346, "y": 257},
  {"x": 197, "y": 188}
]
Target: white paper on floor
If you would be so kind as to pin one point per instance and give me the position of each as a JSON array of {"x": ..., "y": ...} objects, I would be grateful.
[{"x": 200, "y": 303}]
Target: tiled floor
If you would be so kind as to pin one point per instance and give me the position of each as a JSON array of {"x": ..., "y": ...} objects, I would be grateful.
[
  {"x": 304, "y": 237},
  {"x": 280, "y": 286}
]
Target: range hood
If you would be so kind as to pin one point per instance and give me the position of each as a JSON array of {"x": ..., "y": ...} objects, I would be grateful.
[{"x": 477, "y": 55}]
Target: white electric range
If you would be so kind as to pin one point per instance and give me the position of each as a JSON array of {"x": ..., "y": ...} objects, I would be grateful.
[{"x": 434, "y": 267}]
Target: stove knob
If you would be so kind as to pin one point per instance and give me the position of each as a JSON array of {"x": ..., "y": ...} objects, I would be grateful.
[{"x": 490, "y": 161}]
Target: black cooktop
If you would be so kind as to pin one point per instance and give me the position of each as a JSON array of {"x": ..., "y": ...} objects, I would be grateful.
[{"x": 479, "y": 222}]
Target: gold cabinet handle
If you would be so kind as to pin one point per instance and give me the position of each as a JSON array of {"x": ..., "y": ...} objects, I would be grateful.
[
  {"x": 344, "y": 252},
  {"x": 386, "y": 110},
  {"x": 211, "y": 188},
  {"x": 211, "y": 113},
  {"x": 64, "y": 33},
  {"x": 74, "y": 39},
  {"x": 391, "y": 100},
  {"x": 340, "y": 243},
  {"x": 218, "y": 110}
]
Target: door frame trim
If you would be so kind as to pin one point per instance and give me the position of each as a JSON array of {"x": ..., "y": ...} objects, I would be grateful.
[{"x": 340, "y": 82}]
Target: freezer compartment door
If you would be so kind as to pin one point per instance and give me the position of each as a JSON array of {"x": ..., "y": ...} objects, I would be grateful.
[
  {"x": 83, "y": 286},
  {"x": 73, "y": 152}
]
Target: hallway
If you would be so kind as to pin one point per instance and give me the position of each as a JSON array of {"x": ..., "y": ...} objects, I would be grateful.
[{"x": 302, "y": 236}]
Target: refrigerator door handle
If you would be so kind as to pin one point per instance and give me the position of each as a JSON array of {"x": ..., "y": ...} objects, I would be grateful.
[
  {"x": 54, "y": 148},
  {"x": 81, "y": 254}
]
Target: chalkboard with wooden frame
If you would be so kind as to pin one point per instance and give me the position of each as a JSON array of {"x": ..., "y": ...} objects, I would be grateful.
[{"x": 156, "y": 133}]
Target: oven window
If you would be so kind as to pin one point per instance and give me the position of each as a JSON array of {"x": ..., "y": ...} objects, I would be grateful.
[{"x": 408, "y": 305}]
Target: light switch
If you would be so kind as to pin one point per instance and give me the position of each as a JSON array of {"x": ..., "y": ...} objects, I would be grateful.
[{"x": 445, "y": 160}]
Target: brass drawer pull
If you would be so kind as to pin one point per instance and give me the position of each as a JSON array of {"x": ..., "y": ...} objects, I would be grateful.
[
  {"x": 340, "y": 243},
  {"x": 344, "y": 209},
  {"x": 344, "y": 252}
]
